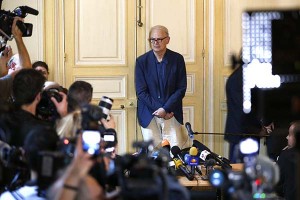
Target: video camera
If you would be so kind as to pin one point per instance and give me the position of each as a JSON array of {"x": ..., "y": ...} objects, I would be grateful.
[
  {"x": 256, "y": 181},
  {"x": 7, "y": 18},
  {"x": 14, "y": 170},
  {"x": 142, "y": 177}
]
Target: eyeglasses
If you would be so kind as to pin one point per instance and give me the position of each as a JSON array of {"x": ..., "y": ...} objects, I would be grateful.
[{"x": 158, "y": 40}]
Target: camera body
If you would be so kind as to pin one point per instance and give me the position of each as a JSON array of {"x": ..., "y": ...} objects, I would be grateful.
[
  {"x": 93, "y": 131},
  {"x": 46, "y": 109},
  {"x": 14, "y": 170},
  {"x": 12, "y": 157},
  {"x": 7, "y": 18}
]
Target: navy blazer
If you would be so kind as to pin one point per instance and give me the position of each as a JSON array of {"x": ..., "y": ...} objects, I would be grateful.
[{"x": 147, "y": 88}]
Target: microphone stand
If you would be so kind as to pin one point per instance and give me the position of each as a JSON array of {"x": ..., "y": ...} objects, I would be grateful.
[{"x": 237, "y": 134}]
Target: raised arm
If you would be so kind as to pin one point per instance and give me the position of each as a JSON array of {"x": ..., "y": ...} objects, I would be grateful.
[{"x": 22, "y": 50}]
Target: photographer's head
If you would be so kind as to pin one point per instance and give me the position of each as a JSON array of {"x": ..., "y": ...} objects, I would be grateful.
[
  {"x": 80, "y": 93},
  {"x": 294, "y": 130},
  {"x": 42, "y": 67},
  {"x": 27, "y": 86}
]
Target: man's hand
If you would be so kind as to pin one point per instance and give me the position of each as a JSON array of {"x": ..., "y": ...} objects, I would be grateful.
[
  {"x": 169, "y": 116},
  {"x": 17, "y": 33},
  {"x": 24, "y": 57},
  {"x": 108, "y": 123},
  {"x": 61, "y": 107},
  {"x": 161, "y": 113}
]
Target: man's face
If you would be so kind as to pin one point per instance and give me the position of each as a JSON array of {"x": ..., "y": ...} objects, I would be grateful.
[
  {"x": 43, "y": 71},
  {"x": 159, "y": 40}
]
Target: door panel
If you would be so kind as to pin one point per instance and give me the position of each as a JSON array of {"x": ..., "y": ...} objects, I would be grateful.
[{"x": 98, "y": 51}]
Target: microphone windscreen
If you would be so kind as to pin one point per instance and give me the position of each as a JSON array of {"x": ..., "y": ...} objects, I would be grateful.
[
  {"x": 165, "y": 143},
  {"x": 193, "y": 151},
  {"x": 187, "y": 158},
  {"x": 187, "y": 125},
  {"x": 175, "y": 150}
]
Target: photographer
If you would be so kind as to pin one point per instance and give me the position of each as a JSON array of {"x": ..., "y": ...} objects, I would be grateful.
[
  {"x": 24, "y": 59},
  {"x": 38, "y": 139},
  {"x": 27, "y": 87},
  {"x": 76, "y": 182},
  {"x": 287, "y": 162},
  {"x": 84, "y": 177}
]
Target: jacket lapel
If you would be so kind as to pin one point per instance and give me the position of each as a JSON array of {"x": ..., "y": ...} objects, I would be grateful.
[{"x": 152, "y": 64}]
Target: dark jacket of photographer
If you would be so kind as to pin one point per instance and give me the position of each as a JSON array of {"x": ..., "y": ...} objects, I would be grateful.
[
  {"x": 17, "y": 124},
  {"x": 286, "y": 186}
]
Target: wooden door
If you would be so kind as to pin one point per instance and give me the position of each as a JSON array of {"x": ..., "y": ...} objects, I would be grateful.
[{"x": 102, "y": 40}]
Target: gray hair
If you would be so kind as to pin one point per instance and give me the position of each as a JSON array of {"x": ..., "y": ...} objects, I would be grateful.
[{"x": 159, "y": 27}]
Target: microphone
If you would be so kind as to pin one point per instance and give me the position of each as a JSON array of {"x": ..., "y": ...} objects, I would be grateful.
[
  {"x": 165, "y": 144},
  {"x": 187, "y": 157},
  {"x": 179, "y": 165},
  {"x": 198, "y": 144},
  {"x": 210, "y": 162},
  {"x": 189, "y": 130},
  {"x": 209, "y": 166},
  {"x": 165, "y": 149},
  {"x": 207, "y": 154},
  {"x": 175, "y": 150},
  {"x": 29, "y": 10},
  {"x": 193, "y": 160}
]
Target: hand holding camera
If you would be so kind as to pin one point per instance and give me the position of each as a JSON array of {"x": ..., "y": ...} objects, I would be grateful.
[
  {"x": 62, "y": 105},
  {"x": 108, "y": 123}
]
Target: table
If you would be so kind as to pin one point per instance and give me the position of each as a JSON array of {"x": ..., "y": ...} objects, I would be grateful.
[
  {"x": 198, "y": 182},
  {"x": 203, "y": 185}
]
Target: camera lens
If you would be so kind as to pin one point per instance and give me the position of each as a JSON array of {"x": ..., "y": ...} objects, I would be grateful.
[{"x": 105, "y": 104}]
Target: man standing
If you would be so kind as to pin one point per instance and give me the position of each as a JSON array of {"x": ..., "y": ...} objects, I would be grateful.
[
  {"x": 238, "y": 123},
  {"x": 160, "y": 82}
]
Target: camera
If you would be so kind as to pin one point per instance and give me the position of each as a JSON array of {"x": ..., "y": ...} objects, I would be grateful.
[
  {"x": 12, "y": 157},
  {"x": 7, "y": 18},
  {"x": 46, "y": 109},
  {"x": 256, "y": 181},
  {"x": 142, "y": 177},
  {"x": 91, "y": 127},
  {"x": 14, "y": 170},
  {"x": 50, "y": 162},
  {"x": 105, "y": 104}
]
